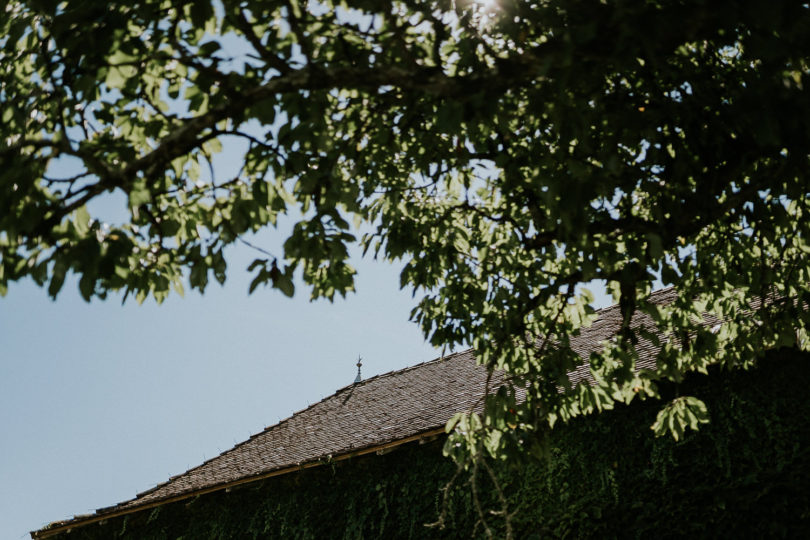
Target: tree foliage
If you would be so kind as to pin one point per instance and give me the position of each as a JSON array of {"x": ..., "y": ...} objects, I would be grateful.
[{"x": 507, "y": 154}]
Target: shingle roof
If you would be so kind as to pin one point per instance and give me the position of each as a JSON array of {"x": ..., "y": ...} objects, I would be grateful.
[
  {"x": 384, "y": 409},
  {"x": 606, "y": 326},
  {"x": 378, "y": 410}
]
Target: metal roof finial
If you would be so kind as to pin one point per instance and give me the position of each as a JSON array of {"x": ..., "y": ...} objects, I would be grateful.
[{"x": 359, "y": 364}]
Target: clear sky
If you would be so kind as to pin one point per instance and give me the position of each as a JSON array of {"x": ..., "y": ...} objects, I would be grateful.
[{"x": 100, "y": 401}]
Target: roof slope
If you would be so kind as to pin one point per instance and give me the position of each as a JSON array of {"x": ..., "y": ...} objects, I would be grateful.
[
  {"x": 606, "y": 326},
  {"x": 373, "y": 412},
  {"x": 380, "y": 410}
]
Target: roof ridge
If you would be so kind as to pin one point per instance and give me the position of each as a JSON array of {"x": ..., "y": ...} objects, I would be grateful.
[
  {"x": 652, "y": 296},
  {"x": 398, "y": 371}
]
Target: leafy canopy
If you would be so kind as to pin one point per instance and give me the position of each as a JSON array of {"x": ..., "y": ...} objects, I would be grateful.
[{"x": 506, "y": 153}]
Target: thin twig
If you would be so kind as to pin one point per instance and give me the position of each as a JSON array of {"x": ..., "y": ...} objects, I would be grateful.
[
  {"x": 504, "y": 504},
  {"x": 473, "y": 485}
]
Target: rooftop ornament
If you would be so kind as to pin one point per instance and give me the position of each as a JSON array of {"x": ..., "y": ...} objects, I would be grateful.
[{"x": 359, "y": 365}]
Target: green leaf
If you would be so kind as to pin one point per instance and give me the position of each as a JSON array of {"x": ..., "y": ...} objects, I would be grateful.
[
  {"x": 284, "y": 284},
  {"x": 260, "y": 278},
  {"x": 81, "y": 221},
  {"x": 87, "y": 285},
  {"x": 654, "y": 246},
  {"x": 115, "y": 78},
  {"x": 57, "y": 278},
  {"x": 679, "y": 414}
]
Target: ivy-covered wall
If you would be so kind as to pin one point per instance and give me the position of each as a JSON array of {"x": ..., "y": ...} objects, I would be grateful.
[{"x": 745, "y": 475}]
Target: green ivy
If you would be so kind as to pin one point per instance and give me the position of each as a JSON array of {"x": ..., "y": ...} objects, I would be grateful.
[{"x": 605, "y": 476}]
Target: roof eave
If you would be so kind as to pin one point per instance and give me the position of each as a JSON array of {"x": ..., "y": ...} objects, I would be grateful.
[{"x": 59, "y": 527}]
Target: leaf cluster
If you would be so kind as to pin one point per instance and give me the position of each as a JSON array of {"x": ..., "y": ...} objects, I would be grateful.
[{"x": 507, "y": 156}]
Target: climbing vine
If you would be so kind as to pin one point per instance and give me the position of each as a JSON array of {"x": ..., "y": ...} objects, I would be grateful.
[{"x": 746, "y": 473}]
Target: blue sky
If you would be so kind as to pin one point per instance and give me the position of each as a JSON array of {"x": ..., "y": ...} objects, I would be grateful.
[{"x": 99, "y": 401}]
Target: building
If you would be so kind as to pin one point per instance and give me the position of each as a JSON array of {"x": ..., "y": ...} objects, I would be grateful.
[{"x": 345, "y": 443}]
